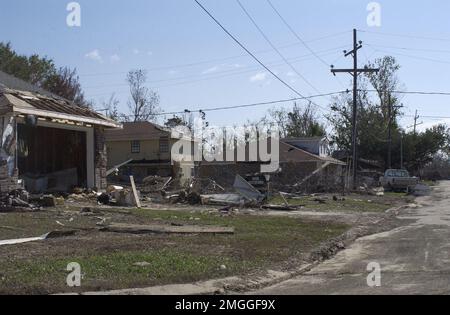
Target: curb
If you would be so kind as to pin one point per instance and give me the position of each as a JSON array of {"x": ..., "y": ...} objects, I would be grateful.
[{"x": 248, "y": 283}]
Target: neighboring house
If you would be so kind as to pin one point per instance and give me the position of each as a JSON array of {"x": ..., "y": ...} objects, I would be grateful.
[
  {"x": 317, "y": 145},
  {"x": 47, "y": 141},
  {"x": 299, "y": 159},
  {"x": 149, "y": 147}
]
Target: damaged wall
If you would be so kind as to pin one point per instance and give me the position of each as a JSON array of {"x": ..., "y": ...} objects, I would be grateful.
[
  {"x": 8, "y": 144},
  {"x": 292, "y": 173},
  {"x": 225, "y": 173}
]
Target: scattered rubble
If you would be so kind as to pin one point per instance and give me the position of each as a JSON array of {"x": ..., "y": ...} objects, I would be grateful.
[
  {"x": 372, "y": 191},
  {"x": 155, "y": 183}
]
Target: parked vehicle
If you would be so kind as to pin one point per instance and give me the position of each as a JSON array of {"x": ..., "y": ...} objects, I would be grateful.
[{"x": 396, "y": 180}]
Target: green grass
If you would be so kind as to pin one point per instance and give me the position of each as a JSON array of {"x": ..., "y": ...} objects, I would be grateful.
[
  {"x": 114, "y": 270},
  {"x": 349, "y": 204},
  {"x": 107, "y": 260}
]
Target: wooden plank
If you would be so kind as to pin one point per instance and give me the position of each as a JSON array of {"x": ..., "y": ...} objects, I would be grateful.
[
  {"x": 286, "y": 203},
  {"x": 135, "y": 194},
  {"x": 163, "y": 229}
]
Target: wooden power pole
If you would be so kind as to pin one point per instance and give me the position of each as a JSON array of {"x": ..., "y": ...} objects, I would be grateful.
[
  {"x": 389, "y": 130},
  {"x": 354, "y": 72},
  {"x": 416, "y": 117}
]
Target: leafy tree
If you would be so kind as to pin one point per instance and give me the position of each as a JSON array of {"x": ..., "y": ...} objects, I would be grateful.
[
  {"x": 421, "y": 148},
  {"x": 42, "y": 72},
  {"x": 373, "y": 114},
  {"x": 33, "y": 69},
  {"x": 438, "y": 169},
  {"x": 385, "y": 82},
  {"x": 66, "y": 83},
  {"x": 298, "y": 122}
]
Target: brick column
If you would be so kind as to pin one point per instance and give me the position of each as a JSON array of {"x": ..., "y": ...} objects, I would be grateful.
[
  {"x": 8, "y": 144},
  {"x": 101, "y": 160}
]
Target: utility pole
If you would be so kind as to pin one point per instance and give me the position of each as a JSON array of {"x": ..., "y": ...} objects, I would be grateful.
[
  {"x": 354, "y": 72},
  {"x": 401, "y": 149},
  {"x": 390, "y": 108},
  {"x": 416, "y": 117},
  {"x": 389, "y": 130}
]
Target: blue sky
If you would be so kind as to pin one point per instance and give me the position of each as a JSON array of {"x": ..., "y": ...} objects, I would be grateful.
[{"x": 193, "y": 64}]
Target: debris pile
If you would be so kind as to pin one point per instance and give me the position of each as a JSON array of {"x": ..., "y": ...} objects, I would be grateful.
[
  {"x": 82, "y": 195},
  {"x": 245, "y": 195},
  {"x": 17, "y": 200},
  {"x": 154, "y": 184},
  {"x": 205, "y": 186},
  {"x": 372, "y": 191}
]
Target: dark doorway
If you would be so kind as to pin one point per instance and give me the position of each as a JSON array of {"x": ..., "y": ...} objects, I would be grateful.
[{"x": 43, "y": 151}]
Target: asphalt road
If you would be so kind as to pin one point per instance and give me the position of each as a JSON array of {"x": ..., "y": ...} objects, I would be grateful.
[{"x": 413, "y": 259}]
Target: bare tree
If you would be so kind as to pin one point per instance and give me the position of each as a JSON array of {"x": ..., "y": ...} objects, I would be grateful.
[
  {"x": 144, "y": 103},
  {"x": 111, "y": 107}
]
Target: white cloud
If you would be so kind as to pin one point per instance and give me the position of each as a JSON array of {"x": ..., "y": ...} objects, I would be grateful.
[
  {"x": 211, "y": 70},
  {"x": 291, "y": 74},
  {"x": 114, "y": 58},
  {"x": 224, "y": 66},
  {"x": 173, "y": 72},
  {"x": 150, "y": 53},
  {"x": 262, "y": 76},
  {"x": 94, "y": 55},
  {"x": 136, "y": 51}
]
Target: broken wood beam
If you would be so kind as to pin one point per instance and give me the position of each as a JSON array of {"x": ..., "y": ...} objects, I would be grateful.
[
  {"x": 166, "y": 229},
  {"x": 286, "y": 203},
  {"x": 135, "y": 193},
  {"x": 280, "y": 207}
]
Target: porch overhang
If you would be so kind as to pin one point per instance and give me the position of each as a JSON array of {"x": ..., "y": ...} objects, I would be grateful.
[{"x": 12, "y": 104}]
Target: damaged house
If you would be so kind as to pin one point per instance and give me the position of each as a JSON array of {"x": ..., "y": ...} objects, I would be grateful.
[
  {"x": 48, "y": 143},
  {"x": 305, "y": 164},
  {"x": 146, "y": 150}
]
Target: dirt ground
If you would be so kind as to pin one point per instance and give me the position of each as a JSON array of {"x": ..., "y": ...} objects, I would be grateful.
[{"x": 262, "y": 239}]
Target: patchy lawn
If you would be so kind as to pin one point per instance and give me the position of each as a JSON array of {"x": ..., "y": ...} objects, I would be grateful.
[
  {"x": 350, "y": 203},
  {"x": 108, "y": 260}
]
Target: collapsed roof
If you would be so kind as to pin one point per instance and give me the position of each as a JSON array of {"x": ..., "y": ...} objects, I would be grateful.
[{"x": 22, "y": 98}]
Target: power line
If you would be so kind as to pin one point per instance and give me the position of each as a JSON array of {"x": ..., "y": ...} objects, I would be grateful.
[
  {"x": 411, "y": 92},
  {"x": 406, "y": 36},
  {"x": 300, "y": 39},
  {"x": 274, "y": 47},
  {"x": 249, "y": 105},
  {"x": 411, "y": 48},
  {"x": 296, "y": 34},
  {"x": 417, "y": 93},
  {"x": 218, "y": 74},
  {"x": 198, "y": 63},
  {"x": 412, "y": 56},
  {"x": 245, "y": 48}
]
